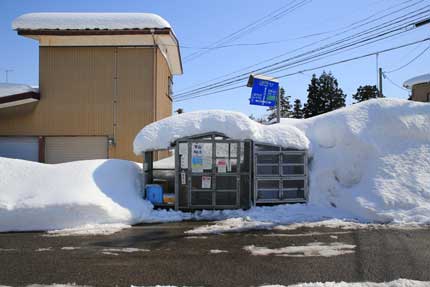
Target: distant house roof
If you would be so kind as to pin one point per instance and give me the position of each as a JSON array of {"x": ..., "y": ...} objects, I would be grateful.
[
  {"x": 150, "y": 29},
  {"x": 17, "y": 94},
  {"x": 422, "y": 79},
  {"x": 89, "y": 21}
]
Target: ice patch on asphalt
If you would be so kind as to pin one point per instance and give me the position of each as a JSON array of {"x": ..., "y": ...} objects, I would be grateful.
[
  {"x": 125, "y": 250},
  {"x": 309, "y": 250},
  {"x": 217, "y": 251},
  {"x": 44, "y": 249},
  {"x": 231, "y": 225},
  {"x": 306, "y": 234},
  {"x": 89, "y": 229},
  {"x": 247, "y": 223},
  {"x": 70, "y": 248}
]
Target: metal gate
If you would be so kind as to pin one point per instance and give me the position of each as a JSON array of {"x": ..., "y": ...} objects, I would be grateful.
[
  {"x": 281, "y": 175},
  {"x": 212, "y": 172}
]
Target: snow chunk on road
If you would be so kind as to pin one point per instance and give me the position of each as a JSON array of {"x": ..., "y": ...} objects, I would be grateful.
[
  {"x": 311, "y": 249},
  {"x": 39, "y": 196},
  {"x": 161, "y": 134}
]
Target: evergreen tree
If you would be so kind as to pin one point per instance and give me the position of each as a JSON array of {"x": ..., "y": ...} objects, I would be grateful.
[
  {"x": 324, "y": 95},
  {"x": 366, "y": 92},
  {"x": 297, "y": 109},
  {"x": 284, "y": 105}
]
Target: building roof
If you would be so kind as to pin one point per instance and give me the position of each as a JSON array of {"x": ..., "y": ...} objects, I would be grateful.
[
  {"x": 89, "y": 21},
  {"x": 422, "y": 79},
  {"x": 17, "y": 94},
  {"x": 96, "y": 29}
]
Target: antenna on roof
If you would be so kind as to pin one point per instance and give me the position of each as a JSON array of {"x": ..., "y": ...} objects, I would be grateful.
[{"x": 7, "y": 71}]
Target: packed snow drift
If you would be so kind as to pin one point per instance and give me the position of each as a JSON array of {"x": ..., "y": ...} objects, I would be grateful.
[
  {"x": 82, "y": 21},
  {"x": 161, "y": 134},
  {"x": 370, "y": 163},
  {"x": 35, "y": 196}
]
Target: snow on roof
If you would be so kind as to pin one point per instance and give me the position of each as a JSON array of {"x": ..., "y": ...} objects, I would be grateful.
[
  {"x": 161, "y": 134},
  {"x": 80, "y": 21},
  {"x": 422, "y": 79},
  {"x": 9, "y": 89}
]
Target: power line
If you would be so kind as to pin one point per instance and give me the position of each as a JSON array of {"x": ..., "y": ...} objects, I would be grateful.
[
  {"x": 319, "y": 67},
  {"x": 279, "y": 66},
  {"x": 351, "y": 37},
  {"x": 269, "y": 18},
  {"x": 410, "y": 62},
  {"x": 393, "y": 83},
  {"x": 345, "y": 29}
]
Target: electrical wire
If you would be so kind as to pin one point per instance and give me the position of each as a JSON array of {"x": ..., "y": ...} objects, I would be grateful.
[
  {"x": 273, "y": 67},
  {"x": 350, "y": 27},
  {"x": 410, "y": 62},
  {"x": 320, "y": 67},
  {"x": 269, "y": 18}
]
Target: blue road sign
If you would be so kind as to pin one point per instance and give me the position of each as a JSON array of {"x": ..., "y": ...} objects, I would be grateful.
[{"x": 264, "y": 93}]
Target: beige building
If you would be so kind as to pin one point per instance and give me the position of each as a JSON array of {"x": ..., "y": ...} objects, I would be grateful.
[
  {"x": 102, "y": 77},
  {"x": 420, "y": 87}
]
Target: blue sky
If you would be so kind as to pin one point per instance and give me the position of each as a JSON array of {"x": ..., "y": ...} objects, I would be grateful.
[{"x": 199, "y": 23}]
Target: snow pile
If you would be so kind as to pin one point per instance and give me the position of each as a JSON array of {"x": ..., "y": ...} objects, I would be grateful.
[
  {"x": 422, "y": 79},
  {"x": 82, "y": 21},
  {"x": 37, "y": 196},
  {"x": 161, "y": 134},
  {"x": 9, "y": 89},
  {"x": 371, "y": 160},
  {"x": 395, "y": 283}
]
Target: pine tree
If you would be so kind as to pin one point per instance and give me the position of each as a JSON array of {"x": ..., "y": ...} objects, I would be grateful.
[
  {"x": 324, "y": 95},
  {"x": 284, "y": 105},
  {"x": 297, "y": 109},
  {"x": 366, "y": 92}
]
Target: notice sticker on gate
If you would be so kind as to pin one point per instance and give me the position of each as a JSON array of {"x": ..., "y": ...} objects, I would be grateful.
[
  {"x": 206, "y": 182},
  {"x": 221, "y": 165},
  {"x": 183, "y": 178}
]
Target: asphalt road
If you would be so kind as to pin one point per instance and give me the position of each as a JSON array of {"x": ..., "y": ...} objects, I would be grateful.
[{"x": 167, "y": 256}]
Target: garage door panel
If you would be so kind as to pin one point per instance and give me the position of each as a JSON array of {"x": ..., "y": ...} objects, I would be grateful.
[
  {"x": 26, "y": 148},
  {"x": 65, "y": 149}
]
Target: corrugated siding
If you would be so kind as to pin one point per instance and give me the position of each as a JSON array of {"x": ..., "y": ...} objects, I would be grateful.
[
  {"x": 65, "y": 149},
  {"x": 77, "y": 86},
  {"x": 135, "y": 97},
  {"x": 76, "y": 94},
  {"x": 164, "y": 103}
]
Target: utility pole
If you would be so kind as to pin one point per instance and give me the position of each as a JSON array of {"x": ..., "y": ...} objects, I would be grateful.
[
  {"x": 278, "y": 107},
  {"x": 377, "y": 69},
  {"x": 7, "y": 74},
  {"x": 380, "y": 81}
]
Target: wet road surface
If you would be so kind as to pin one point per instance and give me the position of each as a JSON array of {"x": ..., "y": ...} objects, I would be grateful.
[{"x": 162, "y": 254}]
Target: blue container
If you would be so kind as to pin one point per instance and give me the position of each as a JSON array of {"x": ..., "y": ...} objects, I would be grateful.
[{"x": 154, "y": 193}]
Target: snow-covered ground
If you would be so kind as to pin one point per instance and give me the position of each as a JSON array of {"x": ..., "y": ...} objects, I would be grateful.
[{"x": 370, "y": 163}]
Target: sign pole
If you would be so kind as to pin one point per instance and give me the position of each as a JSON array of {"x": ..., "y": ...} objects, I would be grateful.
[{"x": 278, "y": 107}]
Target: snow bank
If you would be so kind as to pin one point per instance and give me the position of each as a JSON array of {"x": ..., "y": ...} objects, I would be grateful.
[
  {"x": 422, "y": 79},
  {"x": 79, "y": 21},
  {"x": 37, "y": 196},
  {"x": 161, "y": 134},
  {"x": 371, "y": 160},
  {"x": 9, "y": 89},
  {"x": 395, "y": 283}
]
